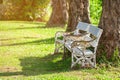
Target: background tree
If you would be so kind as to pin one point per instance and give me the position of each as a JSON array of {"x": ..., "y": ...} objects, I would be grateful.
[
  {"x": 2, "y": 11},
  {"x": 59, "y": 13},
  {"x": 110, "y": 23},
  {"x": 1, "y": 1},
  {"x": 37, "y": 8},
  {"x": 23, "y": 9},
  {"x": 78, "y": 11}
]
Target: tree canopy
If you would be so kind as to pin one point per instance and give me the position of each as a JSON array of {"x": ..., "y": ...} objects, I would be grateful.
[{"x": 24, "y": 9}]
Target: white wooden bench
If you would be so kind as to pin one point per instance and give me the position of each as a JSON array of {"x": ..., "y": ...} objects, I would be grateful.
[
  {"x": 84, "y": 50},
  {"x": 79, "y": 44}
]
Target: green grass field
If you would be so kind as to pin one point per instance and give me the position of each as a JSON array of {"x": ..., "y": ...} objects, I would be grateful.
[{"x": 26, "y": 53}]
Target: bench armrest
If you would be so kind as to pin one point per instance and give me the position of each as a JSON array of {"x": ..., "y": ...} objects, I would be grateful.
[
  {"x": 59, "y": 34},
  {"x": 62, "y": 34}
]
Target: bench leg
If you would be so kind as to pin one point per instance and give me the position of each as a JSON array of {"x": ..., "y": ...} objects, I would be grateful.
[{"x": 58, "y": 46}]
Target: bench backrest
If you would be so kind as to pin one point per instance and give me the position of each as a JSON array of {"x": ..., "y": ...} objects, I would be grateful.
[
  {"x": 94, "y": 30},
  {"x": 82, "y": 26},
  {"x": 97, "y": 32}
]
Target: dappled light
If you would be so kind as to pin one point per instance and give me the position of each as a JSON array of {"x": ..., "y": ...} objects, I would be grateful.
[{"x": 59, "y": 39}]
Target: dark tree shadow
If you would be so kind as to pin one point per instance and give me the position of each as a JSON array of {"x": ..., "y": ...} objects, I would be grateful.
[
  {"x": 22, "y": 28},
  {"x": 7, "y": 39},
  {"x": 32, "y": 66},
  {"x": 35, "y": 42}
]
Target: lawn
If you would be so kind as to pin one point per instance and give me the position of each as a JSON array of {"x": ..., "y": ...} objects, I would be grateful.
[{"x": 26, "y": 53}]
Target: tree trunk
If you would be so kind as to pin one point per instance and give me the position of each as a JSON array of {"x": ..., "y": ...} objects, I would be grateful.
[
  {"x": 78, "y": 11},
  {"x": 110, "y": 23},
  {"x": 1, "y": 1},
  {"x": 2, "y": 11},
  {"x": 59, "y": 13}
]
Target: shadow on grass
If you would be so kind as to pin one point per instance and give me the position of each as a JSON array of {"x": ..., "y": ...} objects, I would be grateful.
[
  {"x": 49, "y": 64},
  {"x": 35, "y": 42},
  {"x": 18, "y": 38},
  {"x": 37, "y": 27},
  {"x": 22, "y": 28}
]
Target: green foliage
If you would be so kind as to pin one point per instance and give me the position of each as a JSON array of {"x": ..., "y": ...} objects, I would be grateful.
[
  {"x": 95, "y": 11},
  {"x": 43, "y": 3},
  {"x": 116, "y": 57}
]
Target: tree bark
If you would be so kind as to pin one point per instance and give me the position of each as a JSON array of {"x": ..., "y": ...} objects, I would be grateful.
[
  {"x": 1, "y": 1},
  {"x": 2, "y": 11},
  {"x": 59, "y": 13},
  {"x": 78, "y": 11},
  {"x": 110, "y": 23}
]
